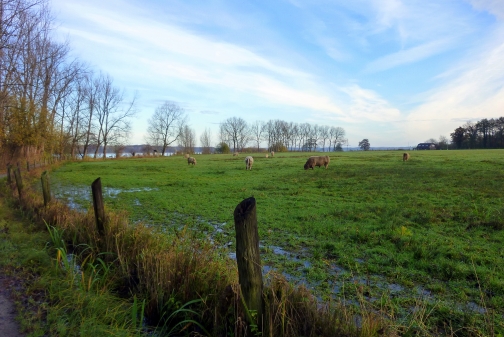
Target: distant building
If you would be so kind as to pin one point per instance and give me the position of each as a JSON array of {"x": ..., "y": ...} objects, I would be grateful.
[{"x": 426, "y": 146}]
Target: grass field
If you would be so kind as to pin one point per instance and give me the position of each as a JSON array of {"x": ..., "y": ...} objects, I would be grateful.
[{"x": 428, "y": 231}]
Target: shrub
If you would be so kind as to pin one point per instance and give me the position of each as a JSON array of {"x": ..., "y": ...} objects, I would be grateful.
[{"x": 222, "y": 148}]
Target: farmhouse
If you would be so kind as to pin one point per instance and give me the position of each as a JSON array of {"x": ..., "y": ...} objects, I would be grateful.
[{"x": 426, "y": 146}]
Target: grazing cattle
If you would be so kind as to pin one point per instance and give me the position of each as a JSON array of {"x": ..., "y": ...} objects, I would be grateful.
[
  {"x": 266, "y": 155},
  {"x": 191, "y": 160},
  {"x": 405, "y": 156},
  {"x": 249, "y": 161},
  {"x": 317, "y": 161},
  {"x": 272, "y": 153},
  {"x": 186, "y": 155},
  {"x": 235, "y": 154}
]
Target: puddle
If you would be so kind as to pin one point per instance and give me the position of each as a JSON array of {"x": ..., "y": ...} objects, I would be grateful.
[
  {"x": 473, "y": 307},
  {"x": 113, "y": 192},
  {"x": 80, "y": 198}
]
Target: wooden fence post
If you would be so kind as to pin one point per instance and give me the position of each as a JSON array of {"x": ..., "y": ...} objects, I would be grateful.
[
  {"x": 19, "y": 182},
  {"x": 99, "y": 209},
  {"x": 248, "y": 259},
  {"x": 46, "y": 191},
  {"x": 27, "y": 166},
  {"x": 9, "y": 178}
]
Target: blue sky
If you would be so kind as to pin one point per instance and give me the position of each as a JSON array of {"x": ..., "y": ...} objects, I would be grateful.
[{"x": 395, "y": 72}]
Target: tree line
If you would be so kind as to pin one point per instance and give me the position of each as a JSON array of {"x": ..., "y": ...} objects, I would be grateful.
[
  {"x": 169, "y": 126},
  {"x": 279, "y": 135},
  {"x": 484, "y": 134}
]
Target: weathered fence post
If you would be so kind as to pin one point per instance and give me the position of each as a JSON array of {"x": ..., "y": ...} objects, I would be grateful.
[
  {"x": 248, "y": 259},
  {"x": 27, "y": 166},
  {"x": 19, "y": 182},
  {"x": 9, "y": 178},
  {"x": 99, "y": 209},
  {"x": 46, "y": 191}
]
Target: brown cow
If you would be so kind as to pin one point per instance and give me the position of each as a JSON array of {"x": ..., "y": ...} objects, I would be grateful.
[
  {"x": 405, "y": 156},
  {"x": 191, "y": 160},
  {"x": 317, "y": 161}
]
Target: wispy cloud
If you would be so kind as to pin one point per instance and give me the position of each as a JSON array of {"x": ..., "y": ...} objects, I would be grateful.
[
  {"x": 367, "y": 105},
  {"x": 209, "y": 112},
  {"x": 494, "y": 7},
  {"x": 191, "y": 58},
  {"x": 410, "y": 55},
  {"x": 474, "y": 91}
]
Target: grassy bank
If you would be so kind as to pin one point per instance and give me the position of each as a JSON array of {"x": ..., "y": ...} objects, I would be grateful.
[
  {"x": 429, "y": 230},
  {"x": 51, "y": 298}
]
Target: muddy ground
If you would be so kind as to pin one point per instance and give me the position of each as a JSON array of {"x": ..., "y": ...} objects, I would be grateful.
[{"x": 8, "y": 325}]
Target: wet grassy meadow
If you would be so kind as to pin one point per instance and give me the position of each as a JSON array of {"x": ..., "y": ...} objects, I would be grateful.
[{"x": 428, "y": 232}]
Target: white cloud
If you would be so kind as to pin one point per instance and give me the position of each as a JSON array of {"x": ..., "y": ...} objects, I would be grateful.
[
  {"x": 410, "y": 55},
  {"x": 474, "y": 91},
  {"x": 388, "y": 13},
  {"x": 209, "y": 112},
  {"x": 367, "y": 105},
  {"x": 494, "y": 7}
]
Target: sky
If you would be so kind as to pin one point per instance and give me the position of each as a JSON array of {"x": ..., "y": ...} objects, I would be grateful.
[{"x": 395, "y": 72}]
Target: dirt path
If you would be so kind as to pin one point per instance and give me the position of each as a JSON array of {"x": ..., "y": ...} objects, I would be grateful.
[{"x": 8, "y": 324}]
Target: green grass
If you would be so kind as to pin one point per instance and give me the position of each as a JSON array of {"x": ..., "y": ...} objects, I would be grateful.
[
  {"x": 433, "y": 225},
  {"x": 53, "y": 297}
]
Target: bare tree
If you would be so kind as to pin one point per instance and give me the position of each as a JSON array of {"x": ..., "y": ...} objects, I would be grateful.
[
  {"x": 443, "y": 142},
  {"x": 223, "y": 136},
  {"x": 187, "y": 139},
  {"x": 112, "y": 113},
  {"x": 314, "y": 137},
  {"x": 71, "y": 109},
  {"x": 305, "y": 136},
  {"x": 336, "y": 135},
  {"x": 206, "y": 141},
  {"x": 269, "y": 130},
  {"x": 257, "y": 130},
  {"x": 166, "y": 124},
  {"x": 295, "y": 136},
  {"x": 235, "y": 130},
  {"x": 324, "y": 135},
  {"x": 90, "y": 87}
]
